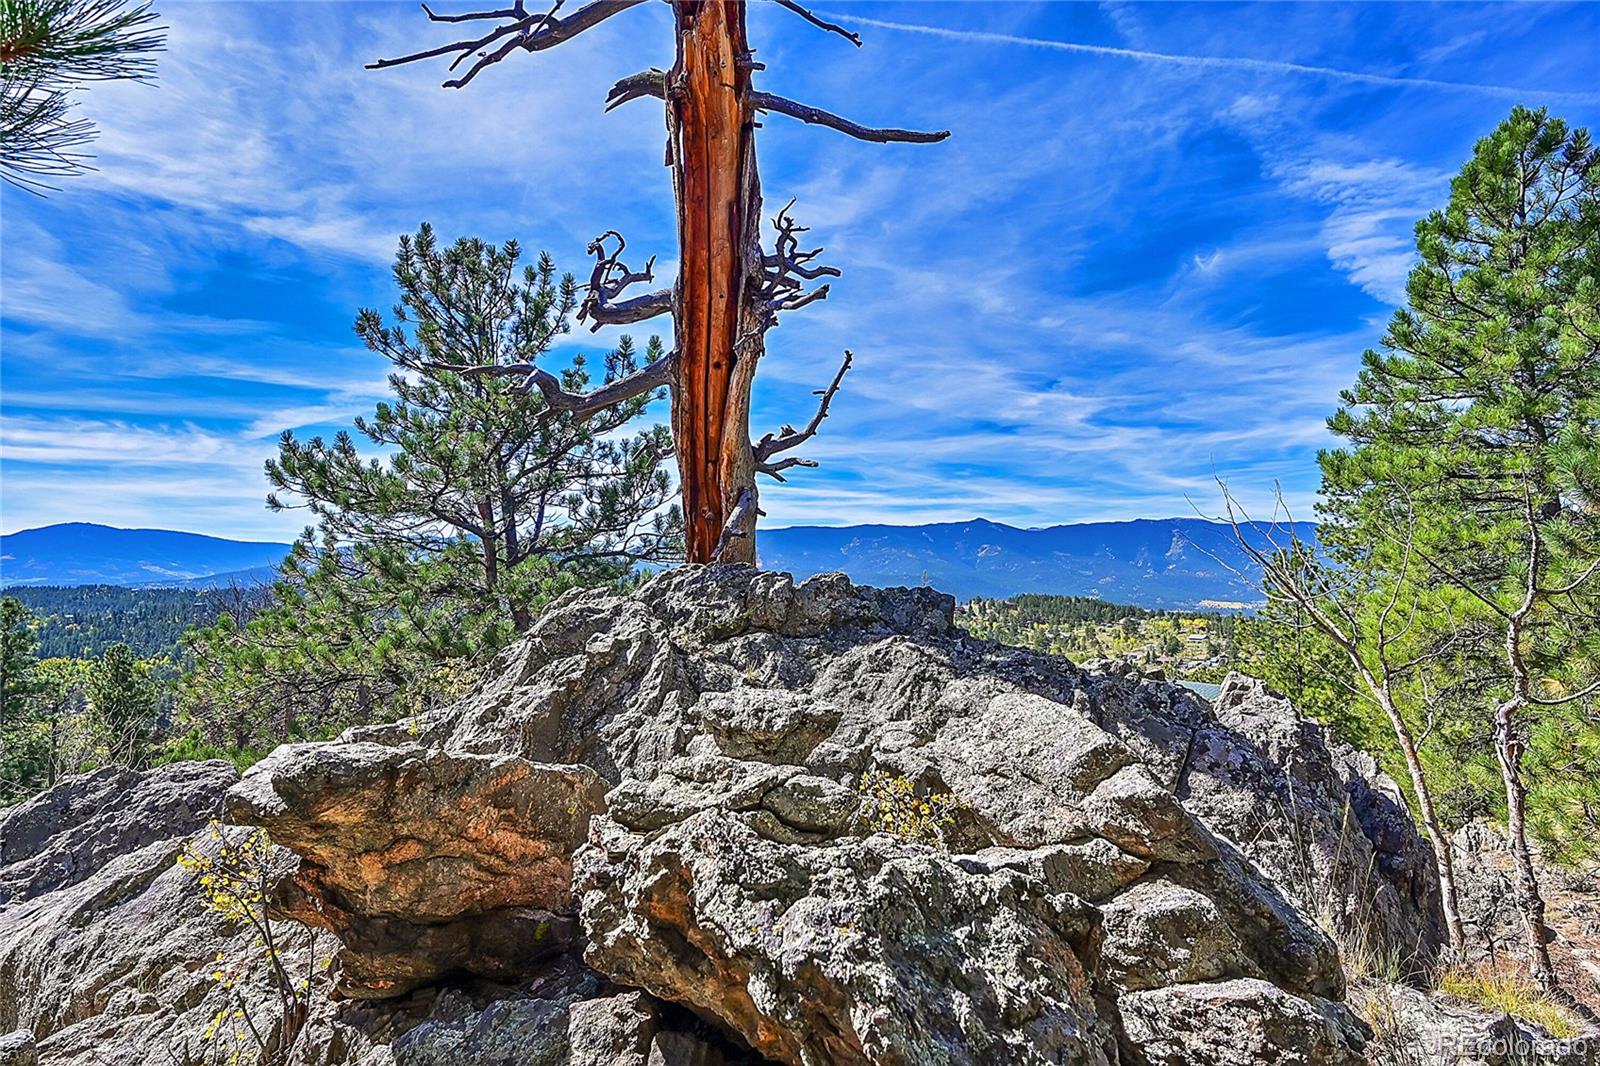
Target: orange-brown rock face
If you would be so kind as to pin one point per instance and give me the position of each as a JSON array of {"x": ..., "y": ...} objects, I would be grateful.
[{"x": 424, "y": 862}]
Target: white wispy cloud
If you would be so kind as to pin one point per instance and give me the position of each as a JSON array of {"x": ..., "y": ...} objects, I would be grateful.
[
  {"x": 1375, "y": 204},
  {"x": 1203, "y": 62},
  {"x": 342, "y": 159},
  {"x": 1066, "y": 311},
  {"x": 112, "y": 442}
]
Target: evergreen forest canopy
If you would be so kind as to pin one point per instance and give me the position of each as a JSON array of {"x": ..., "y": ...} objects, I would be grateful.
[{"x": 81, "y": 621}]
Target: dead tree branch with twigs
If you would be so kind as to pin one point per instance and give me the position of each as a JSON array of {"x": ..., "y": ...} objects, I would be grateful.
[
  {"x": 607, "y": 281},
  {"x": 730, "y": 290}
]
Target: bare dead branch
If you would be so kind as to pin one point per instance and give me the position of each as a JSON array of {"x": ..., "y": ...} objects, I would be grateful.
[
  {"x": 853, "y": 38},
  {"x": 815, "y": 116},
  {"x": 516, "y": 11},
  {"x": 529, "y": 32},
  {"x": 771, "y": 445},
  {"x": 1288, "y": 572},
  {"x": 606, "y": 282},
  {"x": 774, "y": 470},
  {"x": 1576, "y": 582},
  {"x": 798, "y": 300},
  {"x": 1588, "y": 690},
  {"x": 787, "y": 258},
  {"x": 521, "y": 22},
  {"x": 787, "y": 268},
  {"x": 653, "y": 83},
  {"x": 579, "y": 404}
]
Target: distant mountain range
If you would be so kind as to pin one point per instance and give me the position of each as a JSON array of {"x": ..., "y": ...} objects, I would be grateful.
[
  {"x": 82, "y": 553},
  {"x": 1163, "y": 562},
  {"x": 1148, "y": 562}
]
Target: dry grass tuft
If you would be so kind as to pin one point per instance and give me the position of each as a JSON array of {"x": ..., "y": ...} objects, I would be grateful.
[
  {"x": 1509, "y": 992},
  {"x": 1394, "y": 1039}
]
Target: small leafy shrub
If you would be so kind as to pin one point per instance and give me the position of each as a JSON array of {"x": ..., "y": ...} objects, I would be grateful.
[
  {"x": 891, "y": 804},
  {"x": 234, "y": 874},
  {"x": 1509, "y": 993}
]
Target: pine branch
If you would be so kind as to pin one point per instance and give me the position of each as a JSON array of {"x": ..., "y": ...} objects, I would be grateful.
[
  {"x": 48, "y": 48},
  {"x": 40, "y": 141},
  {"x": 65, "y": 42}
]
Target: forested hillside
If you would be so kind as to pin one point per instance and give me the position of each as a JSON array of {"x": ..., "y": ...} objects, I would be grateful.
[
  {"x": 1188, "y": 645},
  {"x": 81, "y": 621}
]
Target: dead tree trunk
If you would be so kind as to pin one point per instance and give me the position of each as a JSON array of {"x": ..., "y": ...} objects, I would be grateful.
[
  {"x": 718, "y": 190},
  {"x": 729, "y": 291}
]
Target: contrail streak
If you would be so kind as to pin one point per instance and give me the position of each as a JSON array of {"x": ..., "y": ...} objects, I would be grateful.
[{"x": 1266, "y": 66}]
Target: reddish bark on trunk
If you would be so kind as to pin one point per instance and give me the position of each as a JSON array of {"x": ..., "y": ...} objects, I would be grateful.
[{"x": 719, "y": 203}]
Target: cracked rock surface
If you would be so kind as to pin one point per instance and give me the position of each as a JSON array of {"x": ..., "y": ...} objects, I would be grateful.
[{"x": 668, "y": 783}]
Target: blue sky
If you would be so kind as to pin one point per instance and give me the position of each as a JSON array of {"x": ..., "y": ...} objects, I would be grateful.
[{"x": 1151, "y": 252}]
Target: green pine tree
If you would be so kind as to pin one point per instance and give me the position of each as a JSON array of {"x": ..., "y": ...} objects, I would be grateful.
[
  {"x": 482, "y": 503},
  {"x": 21, "y": 753},
  {"x": 1465, "y": 430},
  {"x": 124, "y": 702}
]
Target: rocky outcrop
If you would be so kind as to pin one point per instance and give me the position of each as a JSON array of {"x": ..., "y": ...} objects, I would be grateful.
[
  {"x": 106, "y": 950},
  {"x": 424, "y": 863},
  {"x": 18, "y": 1049},
  {"x": 734, "y": 713},
  {"x": 121, "y": 966},
  {"x": 1486, "y": 881},
  {"x": 566, "y": 1016},
  {"x": 870, "y": 951},
  {"x": 1074, "y": 865},
  {"x": 69, "y": 832},
  {"x": 1415, "y": 1028},
  {"x": 1319, "y": 817},
  {"x": 1240, "y": 1022}
]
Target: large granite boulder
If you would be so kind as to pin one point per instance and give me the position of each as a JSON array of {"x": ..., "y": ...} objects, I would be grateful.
[
  {"x": 109, "y": 955},
  {"x": 1316, "y": 815},
  {"x": 106, "y": 949},
  {"x": 565, "y": 1015},
  {"x": 423, "y": 863},
  {"x": 734, "y": 713},
  {"x": 70, "y": 832},
  {"x": 868, "y": 951},
  {"x": 1239, "y": 1022},
  {"x": 19, "y": 1049}
]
